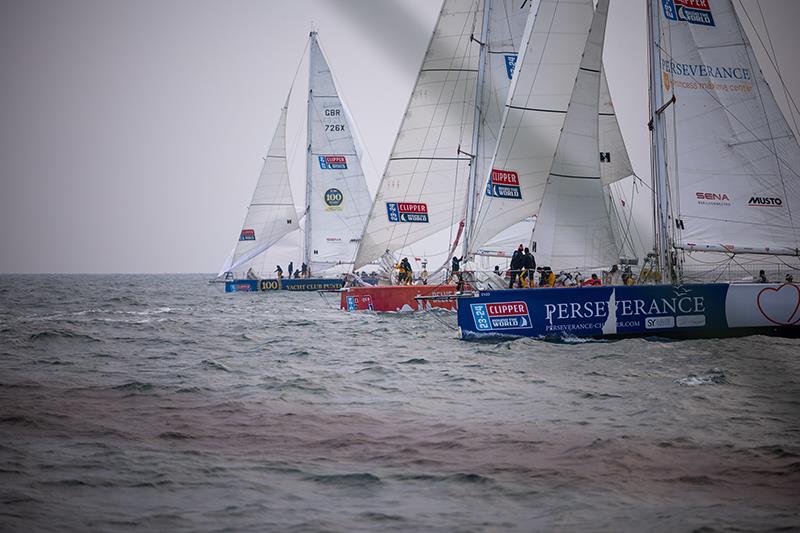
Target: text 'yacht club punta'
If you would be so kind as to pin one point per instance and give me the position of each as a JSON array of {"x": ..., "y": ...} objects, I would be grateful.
[{"x": 510, "y": 139}]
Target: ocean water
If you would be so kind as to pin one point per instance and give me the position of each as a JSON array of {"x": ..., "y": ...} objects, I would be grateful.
[{"x": 161, "y": 403}]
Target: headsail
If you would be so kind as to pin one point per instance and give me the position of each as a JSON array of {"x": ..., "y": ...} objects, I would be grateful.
[
  {"x": 733, "y": 163},
  {"x": 540, "y": 92},
  {"x": 271, "y": 213},
  {"x": 336, "y": 192},
  {"x": 424, "y": 185},
  {"x": 573, "y": 227}
]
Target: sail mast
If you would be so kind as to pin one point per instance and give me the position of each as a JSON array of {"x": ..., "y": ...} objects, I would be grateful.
[
  {"x": 658, "y": 155},
  {"x": 307, "y": 236},
  {"x": 476, "y": 129}
]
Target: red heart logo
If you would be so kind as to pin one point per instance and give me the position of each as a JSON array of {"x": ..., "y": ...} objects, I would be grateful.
[{"x": 780, "y": 305}]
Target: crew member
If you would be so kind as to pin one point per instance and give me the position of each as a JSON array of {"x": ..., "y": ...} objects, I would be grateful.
[
  {"x": 455, "y": 268},
  {"x": 516, "y": 264}
]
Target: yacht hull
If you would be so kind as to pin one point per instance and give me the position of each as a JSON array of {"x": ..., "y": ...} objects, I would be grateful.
[
  {"x": 398, "y": 298},
  {"x": 294, "y": 284},
  {"x": 682, "y": 311}
]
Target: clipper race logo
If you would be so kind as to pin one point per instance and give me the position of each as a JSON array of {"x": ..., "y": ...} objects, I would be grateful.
[
  {"x": 511, "y": 62},
  {"x": 407, "y": 212},
  {"x": 499, "y": 316},
  {"x": 691, "y": 11},
  {"x": 247, "y": 235},
  {"x": 504, "y": 184},
  {"x": 332, "y": 162}
]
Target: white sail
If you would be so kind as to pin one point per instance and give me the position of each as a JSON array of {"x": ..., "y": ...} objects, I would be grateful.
[
  {"x": 271, "y": 213},
  {"x": 614, "y": 161},
  {"x": 424, "y": 185},
  {"x": 504, "y": 34},
  {"x": 615, "y": 165},
  {"x": 544, "y": 76},
  {"x": 504, "y": 243},
  {"x": 573, "y": 229},
  {"x": 337, "y": 195},
  {"x": 733, "y": 163}
]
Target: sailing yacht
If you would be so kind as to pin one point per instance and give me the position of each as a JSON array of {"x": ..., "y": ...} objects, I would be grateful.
[
  {"x": 336, "y": 199},
  {"x": 726, "y": 173},
  {"x": 427, "y": 195}
]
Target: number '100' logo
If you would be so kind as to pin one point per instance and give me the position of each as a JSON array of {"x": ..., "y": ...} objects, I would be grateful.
[{"x": 333, "y": 197}]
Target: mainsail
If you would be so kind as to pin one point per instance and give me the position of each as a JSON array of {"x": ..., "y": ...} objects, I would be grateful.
[
  {"x": 336, "y": 192},
  {"x": 732, "y": 162},
  {"x": 424, "y": 185},
  {"x": 453, "y": 118},
  {"x": 271, "y": 213}
]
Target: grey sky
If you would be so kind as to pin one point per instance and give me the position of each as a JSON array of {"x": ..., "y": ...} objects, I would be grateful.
[{"x": 132, "y": 132}]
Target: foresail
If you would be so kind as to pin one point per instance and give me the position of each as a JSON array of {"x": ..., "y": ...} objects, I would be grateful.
[
  {"x": 614, "y": 161},
  {"x": 573, "y": 229},
  {"x": 271, "y": 213},
  {"x": 424, "y": 186},
  {"x": 540, "y": 92},
  {"x": 338, "y": 198},
  {"x": 733, "y": 162}
]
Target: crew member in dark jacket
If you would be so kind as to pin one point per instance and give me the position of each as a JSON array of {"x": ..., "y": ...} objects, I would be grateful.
[
  {"x": 529, "y": 266},
  {"x": 516, "y": 264},
  {"x": 455, "y": 268}
]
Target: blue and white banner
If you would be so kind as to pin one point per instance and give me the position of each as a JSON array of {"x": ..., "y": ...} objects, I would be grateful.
[{"x": 711, "y": 308}]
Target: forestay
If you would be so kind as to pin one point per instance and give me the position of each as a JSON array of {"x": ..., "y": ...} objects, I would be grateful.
[
  {"x": 336, "y": 191},
  {"x": 733, "y": 162}
]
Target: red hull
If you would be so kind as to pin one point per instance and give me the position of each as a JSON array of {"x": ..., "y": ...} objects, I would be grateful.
[{"x": 396, "y": 297}]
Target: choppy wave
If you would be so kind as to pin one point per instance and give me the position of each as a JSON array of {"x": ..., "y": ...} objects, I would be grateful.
[{"x": 161, "y": 403}]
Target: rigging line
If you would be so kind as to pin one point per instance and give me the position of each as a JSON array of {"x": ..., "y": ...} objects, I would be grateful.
[
  {"x": 297, "y": 71},
  {"x": 772, "y": 61},
  {"x": 627, "y": 236},
  {"x": 431, "y": 158},
  {"x": 769, "y": 123}
]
